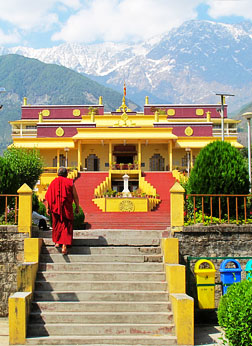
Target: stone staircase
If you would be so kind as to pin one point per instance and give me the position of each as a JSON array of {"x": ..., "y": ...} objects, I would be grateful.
[{"x": 109, "y": 290}]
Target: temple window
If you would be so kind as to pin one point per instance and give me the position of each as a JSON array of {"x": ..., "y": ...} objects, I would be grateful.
[{"x": 62, "y": 161}]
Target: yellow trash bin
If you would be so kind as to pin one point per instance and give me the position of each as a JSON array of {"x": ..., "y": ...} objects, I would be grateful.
[{"x": 205, "y": 282}]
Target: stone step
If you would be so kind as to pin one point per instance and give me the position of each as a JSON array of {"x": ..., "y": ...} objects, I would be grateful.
[
  {"x": 101, "y": 340},
  {"x": 101, "y": 318},
  {"x": 102, "y": 306},
  {"x": 100, "y": 286},
  {"x": 109, "y": 241},
  {"x": 129, "y": 296},
  {"x": 63, "y": 329},
  {"x": 108, "y": 233},
  {"x": 112, "y": 267},
  {"x": 117, "y": 250},
  {"x": 96, "y": 276},
  {"x": 58, "y": 258}
]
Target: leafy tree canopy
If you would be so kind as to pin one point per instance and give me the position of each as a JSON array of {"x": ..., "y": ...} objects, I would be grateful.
[
  {"x": 219, "y": 169},
  {"x": 19, "y": 166}
]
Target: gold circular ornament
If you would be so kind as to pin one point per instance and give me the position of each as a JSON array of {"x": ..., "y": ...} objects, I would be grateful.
[
  {"x": 45, "y": 112},
  {"x": 59, "y": 132},
  {"x": 199, "y": 111},
  {"x": 126, "y": 206},
  {"x": 124, "y": 117},
  {"x": 76, "y": 112},
  {"x": 171, "y": 112},
  {"x": 188, "y": 131}
]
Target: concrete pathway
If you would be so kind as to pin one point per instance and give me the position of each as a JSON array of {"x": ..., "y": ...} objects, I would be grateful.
[{"x": 208, "y": 335}]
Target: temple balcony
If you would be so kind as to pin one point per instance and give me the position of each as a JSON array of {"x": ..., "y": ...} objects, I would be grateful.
[
  {"x": 228, "y": 132},
  {"x": 24, "y": 130}
]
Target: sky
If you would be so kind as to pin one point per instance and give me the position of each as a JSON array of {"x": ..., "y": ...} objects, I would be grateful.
[{"x": 48, "y": 23}]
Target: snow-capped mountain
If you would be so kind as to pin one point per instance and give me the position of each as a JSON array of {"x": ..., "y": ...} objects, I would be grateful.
[{"x": 188, "y": 64}]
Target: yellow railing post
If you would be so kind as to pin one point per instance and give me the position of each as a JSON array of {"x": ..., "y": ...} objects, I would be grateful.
[
  {"x": 19, "y": 304},
  {"x": 183, "y": 311},
  {"x": 177, "y": 206},
  {"x": 25, "y": 209}
]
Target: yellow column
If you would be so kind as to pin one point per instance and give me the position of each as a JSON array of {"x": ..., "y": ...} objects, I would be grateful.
[
  {"x": 79, "y": 155},
  {"x": 25, "y": 209},
  {"x": 177, "y": 206},
  {"x": 183, "y": 311},
  {"x": 175, "y": 277},
  {"x": 58, "y": 159},
  {"x": 191, "y": 159},
  {"x": 170, "y": 155},
  {"x": 18, "y": 316},
  {"x": 110, "y": 155},
  {"x": 139, "y": 155},
  {"x": 170, "y": 248}
]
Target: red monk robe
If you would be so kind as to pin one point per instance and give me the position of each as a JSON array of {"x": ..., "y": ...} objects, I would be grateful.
[{"x": 60, "y": 198}]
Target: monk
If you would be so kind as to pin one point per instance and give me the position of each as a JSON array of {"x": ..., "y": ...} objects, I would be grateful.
[{"x": 60, "y": 196}]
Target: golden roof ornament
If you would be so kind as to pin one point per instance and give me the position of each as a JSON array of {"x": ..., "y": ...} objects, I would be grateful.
[{"x": 124, "y": 108}]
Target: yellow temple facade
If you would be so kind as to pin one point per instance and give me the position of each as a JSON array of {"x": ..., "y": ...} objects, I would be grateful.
[{"x": 85, "y": 138}]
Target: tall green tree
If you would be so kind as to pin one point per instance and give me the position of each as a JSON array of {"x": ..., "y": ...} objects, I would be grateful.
[
  {"x": 219, "y": 169},
  {"x": 19, "y": 166}
]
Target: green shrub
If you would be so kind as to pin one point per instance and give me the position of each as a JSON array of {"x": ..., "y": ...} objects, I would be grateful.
[
  {"x": 235, "y": 314},
  {"x": 219, "y": 169},
  {"x": 38, "y": 206},
  {"x": 78, "y": 218}
]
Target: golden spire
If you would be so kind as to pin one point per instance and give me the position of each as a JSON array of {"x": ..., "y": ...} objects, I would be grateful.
[{"x": 124, "y": 108}]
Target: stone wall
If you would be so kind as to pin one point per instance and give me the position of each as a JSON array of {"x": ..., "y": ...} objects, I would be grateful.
[
  {"x": 11, "y": 254},
  {"x": 214, "y": 241}
]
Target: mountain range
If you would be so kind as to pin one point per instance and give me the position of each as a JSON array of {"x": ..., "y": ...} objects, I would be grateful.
[{"x": 185, "y": 65}]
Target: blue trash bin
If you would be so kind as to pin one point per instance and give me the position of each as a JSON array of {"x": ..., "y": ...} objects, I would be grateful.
[
  {"x": 229, "y": 275},
  {"x": 248, "y": 270}
]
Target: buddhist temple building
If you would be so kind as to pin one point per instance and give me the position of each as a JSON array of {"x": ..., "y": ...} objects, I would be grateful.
[{"x": 161, "y": 141}]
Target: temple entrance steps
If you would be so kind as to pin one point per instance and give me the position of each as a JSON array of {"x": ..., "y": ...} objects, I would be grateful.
[
  {"x": 109, "y": 290},
  {"x": 96, "y": 219},
  {"x": 124, "y": 220},
  {"x": 162, "y": 181},
  {"x": 85, "y": 185}
]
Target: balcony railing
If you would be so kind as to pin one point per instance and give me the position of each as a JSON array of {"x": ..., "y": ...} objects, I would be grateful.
[
  {"x": 228, "y": 132},
  {"x": 234, "y": 206},
  {"x": 24, "y": 133}
]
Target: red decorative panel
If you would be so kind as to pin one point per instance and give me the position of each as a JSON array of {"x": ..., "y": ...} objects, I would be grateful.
[
  {"x": 186, "y": 111},
  {"x": 59, "y": 112},
  {"x": 45, "y": 131},
  {"x": 192, "y": 130}
]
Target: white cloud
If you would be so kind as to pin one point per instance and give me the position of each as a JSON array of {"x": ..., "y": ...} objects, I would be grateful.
[
  {"x": 8, "y": 38},
  {"x": 219, "y": 8},
  {"x": 88, "y": 21},
  {"x": 30, "y": 14},
  {"x": 120, "y": 20}
]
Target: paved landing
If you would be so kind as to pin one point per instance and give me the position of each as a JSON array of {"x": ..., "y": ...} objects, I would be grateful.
[{"x": 4, "y": 331}]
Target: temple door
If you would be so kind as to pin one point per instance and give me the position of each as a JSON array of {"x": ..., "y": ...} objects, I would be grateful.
[
  {"x": 157, "y": 163},
  {"x": 92, "y": 163}
]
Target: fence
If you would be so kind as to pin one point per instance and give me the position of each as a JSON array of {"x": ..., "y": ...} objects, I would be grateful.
[
  {"x": 9, "y": 205},
  {"x": 240, "y": 203}
]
